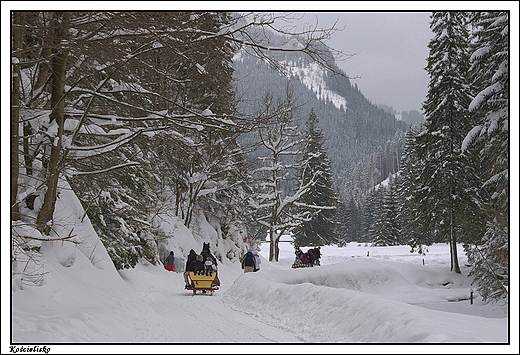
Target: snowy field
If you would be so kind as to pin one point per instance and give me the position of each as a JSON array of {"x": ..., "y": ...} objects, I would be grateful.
[
  {"x": 362, "y": 299},
  {"x": 360, "y": 296}
]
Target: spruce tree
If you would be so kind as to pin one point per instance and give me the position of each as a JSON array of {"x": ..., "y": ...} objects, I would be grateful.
[
  {"x": 489, "y": 139},
  {"x": 321, "y": 229},
  {"x": 442, "y": 178},
  {"x": 343, "y": 221},
  {"x": 385, "y": 228},
  {"x": 375, "y": 215},
  {"x": 391, "y": 209},
  {"x": 350, "y": 228},
  {"x": 410, "y": 212}
]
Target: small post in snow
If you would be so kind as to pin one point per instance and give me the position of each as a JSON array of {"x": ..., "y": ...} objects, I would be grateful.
[
  {"x": 423, "y": 261},
  {"x": 471, "y": 296}
]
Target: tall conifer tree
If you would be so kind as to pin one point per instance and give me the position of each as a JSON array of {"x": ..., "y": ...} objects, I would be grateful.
[
  {"x": 489, "y": 139},
  {"x": 321, "y": 229},
  {"x": 442, "y": 179},
  {"x": 410, "y": 214}
]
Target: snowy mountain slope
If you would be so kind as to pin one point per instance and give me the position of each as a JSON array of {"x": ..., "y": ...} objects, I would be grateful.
[
  {"x": 313, "y": 77},
  {"x": 357, "y": 132}
]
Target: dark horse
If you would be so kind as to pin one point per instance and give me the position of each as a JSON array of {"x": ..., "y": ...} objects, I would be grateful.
[{"x": 205, "y": 248}]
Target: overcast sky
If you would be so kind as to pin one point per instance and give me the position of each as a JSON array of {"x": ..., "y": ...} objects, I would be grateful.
[{"x": 390, "y": 53}]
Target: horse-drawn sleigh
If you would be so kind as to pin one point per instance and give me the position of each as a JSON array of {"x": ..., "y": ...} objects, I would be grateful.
[{"x": 204, "y": 281}]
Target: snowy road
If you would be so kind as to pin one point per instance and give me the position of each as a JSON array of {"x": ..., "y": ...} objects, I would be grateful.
[
  {"x": 389, "y": 297},
  {"x": 180, "y": 317},
  {"x": 278, "y": 306}
]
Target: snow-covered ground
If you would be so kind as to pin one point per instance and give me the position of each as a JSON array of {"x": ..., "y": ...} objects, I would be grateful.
[{"x": 360, "y": 296}]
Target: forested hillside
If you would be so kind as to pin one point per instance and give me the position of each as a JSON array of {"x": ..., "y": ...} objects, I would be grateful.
[
  {"x": 364, "y": 142},
  {"x": 354, "y": 127}
]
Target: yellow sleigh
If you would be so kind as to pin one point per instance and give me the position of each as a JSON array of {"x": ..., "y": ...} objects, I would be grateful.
[{"x": 203, "y": 281}]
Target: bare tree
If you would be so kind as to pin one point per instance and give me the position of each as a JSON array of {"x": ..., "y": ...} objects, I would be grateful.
[
  {"x": 279, "y": 202},
  {"x": 60, "y": 25},
  {"x": 15, "y": 116},
  {"x": 94, "y": 82}
]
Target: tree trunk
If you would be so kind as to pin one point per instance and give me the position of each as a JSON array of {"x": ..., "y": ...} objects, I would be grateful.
[
  {"x": 178, "y": 195},
  {"x": 15, "y": 120},
  {"x": 276, "y": 249},
  {"x": 28, "y": 159},
  {"x": 42, "y": 66},
  {"x": 271, "y": 245},
  {"x": 192, "y": 196},
  {"x": 453, "y": 243},
  {"x": 43, "y": 71},
  {"x": 454, "y": 256},
  {"x": 58, "y": 69}
]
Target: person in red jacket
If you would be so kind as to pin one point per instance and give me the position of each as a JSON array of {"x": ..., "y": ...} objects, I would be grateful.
[{"x": 170, "y": 260}]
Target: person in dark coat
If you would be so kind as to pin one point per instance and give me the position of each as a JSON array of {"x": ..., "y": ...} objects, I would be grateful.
[
  {"x": 304, "y": 258},
  {"x": 257, "y": 260},
  {"x": 317, "y": 254},
  {"x": 191, "y": 257},
  {"x": 197, "y": 264},
  {"x": 310, "y": 256},
  {"x": 249, "y": 262},
  {"x": 170, "y": 260}
]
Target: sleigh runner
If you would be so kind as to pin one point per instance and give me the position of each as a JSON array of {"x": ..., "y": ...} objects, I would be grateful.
[
  {"x": 298, "y": 265},
  {"x": 203, "y": 281}
]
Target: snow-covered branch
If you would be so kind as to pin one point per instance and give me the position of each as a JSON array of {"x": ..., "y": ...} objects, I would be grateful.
[
  {"x": 101, "y": 171},
  {"x": 89, "y": 151}
]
